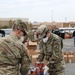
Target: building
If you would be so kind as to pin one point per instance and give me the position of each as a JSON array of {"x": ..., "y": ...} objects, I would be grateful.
[
  {"x": 53, "y": 25},
  {"x": 9, "y": 21}
]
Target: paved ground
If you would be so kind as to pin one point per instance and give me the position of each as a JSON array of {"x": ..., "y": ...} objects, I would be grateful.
[{"x": 69, "y": 46}]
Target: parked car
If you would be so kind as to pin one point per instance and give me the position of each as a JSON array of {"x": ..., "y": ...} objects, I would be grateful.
[
  {"x": 7, "y": 31},
  {"x": 2, "y": 33},
  {"x": 58, "y": 32}
]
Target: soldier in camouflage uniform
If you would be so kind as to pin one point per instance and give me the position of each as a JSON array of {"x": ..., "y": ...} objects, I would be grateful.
[
  {"x": 13, "y": 52},
  {"x": 51, "y": 49},
  {"x": 31, "y": 35}
]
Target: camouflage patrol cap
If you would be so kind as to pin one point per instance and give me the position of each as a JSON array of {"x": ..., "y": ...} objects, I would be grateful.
[
  {"x": 42, "y": 30},
  {"x": 19, "y": 24}
]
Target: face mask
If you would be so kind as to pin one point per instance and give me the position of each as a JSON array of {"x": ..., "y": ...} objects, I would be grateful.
[
  {"x": 22, "y": 38},
  {"x": 45, "y": 39}
]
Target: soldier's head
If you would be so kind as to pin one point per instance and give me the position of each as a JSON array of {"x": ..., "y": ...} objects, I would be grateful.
[
  {"x": 20, "y": 27},
  {"x": 42, "y": 31}
]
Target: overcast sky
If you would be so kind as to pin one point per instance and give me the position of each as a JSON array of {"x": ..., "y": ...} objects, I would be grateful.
[{"x": 39, "y": 10}]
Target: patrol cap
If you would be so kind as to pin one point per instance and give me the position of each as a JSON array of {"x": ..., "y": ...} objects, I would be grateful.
[
  {"x": 42, "y": 30},
  {"x": 19, "y": 24}
]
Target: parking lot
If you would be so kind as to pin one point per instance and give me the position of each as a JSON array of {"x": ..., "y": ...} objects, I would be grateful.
[{"x": 69, "y": 46}]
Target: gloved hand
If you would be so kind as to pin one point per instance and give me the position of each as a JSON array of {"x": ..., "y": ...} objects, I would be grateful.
[{"x": 46, "y": 70}]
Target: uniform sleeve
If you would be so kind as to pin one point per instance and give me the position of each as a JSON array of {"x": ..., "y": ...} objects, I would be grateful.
[
  {"x": 25, "y": 62},
  {"x": 56, "y": 51},
  {"x": 41, "y": 54}
]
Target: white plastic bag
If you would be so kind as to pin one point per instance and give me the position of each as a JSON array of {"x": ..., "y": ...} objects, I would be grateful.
[{"x": 46, "y": 70}]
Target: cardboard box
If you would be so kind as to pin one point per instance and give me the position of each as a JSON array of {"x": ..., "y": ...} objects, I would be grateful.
[
  {"x": 69, "y": 57},
  {"x": 37, "y": 51},
  {"x": 33, "y": 55},
  {"x": 34, "y": 59},
  {"x": 34, "y": 52},
  {"x": 32, "y": 45},
  {"x": 66, "y": 58}
]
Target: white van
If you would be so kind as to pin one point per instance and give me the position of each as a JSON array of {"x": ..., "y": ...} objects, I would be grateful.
[{"x": 67, "y": 29}]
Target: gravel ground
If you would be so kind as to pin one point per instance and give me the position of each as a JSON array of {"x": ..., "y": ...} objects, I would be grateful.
[{"x": 69, "y": 46}]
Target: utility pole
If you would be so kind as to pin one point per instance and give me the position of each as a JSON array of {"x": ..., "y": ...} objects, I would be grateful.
[
  {"x": 52, "y": 19},
  {"x": 52, "y": 15},
  {"x": 65, "y": 19}
]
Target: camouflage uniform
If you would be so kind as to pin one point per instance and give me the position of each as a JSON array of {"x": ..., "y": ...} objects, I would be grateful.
[
  {"x": 52, "y": 52},
  {"x": 25, "y": 39},
  {"x": 13, "y": 52},
  {"x": 31, "y": 35}
]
